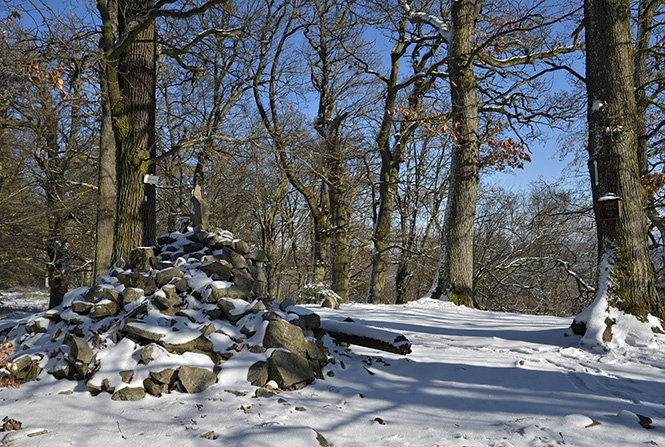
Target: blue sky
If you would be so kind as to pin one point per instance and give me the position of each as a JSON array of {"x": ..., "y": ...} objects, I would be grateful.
[{"x": 545, "y": 160}]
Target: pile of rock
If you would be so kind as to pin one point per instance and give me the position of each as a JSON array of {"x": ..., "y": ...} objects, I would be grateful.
[{"x": 171, "y": 317}]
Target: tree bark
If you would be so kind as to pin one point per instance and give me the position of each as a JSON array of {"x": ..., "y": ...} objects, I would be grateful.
[
  {"x": 626, "y": 277},
  {"x": 339, "y": 213},
  {"x": 56, "y": 244},
  {"x": 106, "y": 183},
  {"x": 131, "y": 83},
  {"x": 454, "y": 279}
]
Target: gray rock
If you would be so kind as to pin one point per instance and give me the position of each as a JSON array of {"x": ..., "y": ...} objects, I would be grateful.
[
  {"x": 218, "y": 270},
  {"x": 210, "y": 240},
  {"x": 209, "y": 435},
  {"x": 285, "y": 304},
  {"x": 308, "y": 322},
  {"x": 25, "y": 369},
  {"x": 222, "y": 244},
  {"x": 166, "y": 376},
  {"x": 163, "y": 277},
  {"x": 65, "y": 372},
  {"x": 166, "y": 239},
  {"x": 127, "y": 376},
  {"x": 257, "y": 374},
  {"x": 36, "y": 327},
  {"x": 227, "y": 306},
  {"x": 258, "y": 306},
  {"x": 140, "y": 258},
  {"x": 200, "y": 344},
  {"x": 138, "y": 280},
  {"x": 180, "y": 284},
  {"x": 281, "y": 334},
  {"x": 200, "y": 211},
  {"x": 131, "y": 294},
  {"x": 122, "y": 264},
  {"x": 148, "y": 352},
  {"x": 195, "y": 380},
  {"x": 208, "y": 329},
  {"x": 130, "y": 394},
  {"x": 260, "y": 280},
  {"x": 155, "y": 388},
  {"x": 93, "y": 389},
  {"x": 167, "y": 301},
  {"x": 243, "y": 280},
  {"x": 257, "y": 256},
  {"x": 193, "y": 247},
  {"x": 316, "y": 352},
  {"x": 232, "y": 292},
  {"x": 242, "y": 247},
  {"x": 104, "y": 309},
  {"x": 79, "y": 348},
  {"x": 99, "y": 293},
  {"x": 81, "y": 307},
  {"x": 238, "y": 261},
  {"x": 162, "y": 265},
  {"x": 288, "y": 369},
  {"x": 137, "y": 331}
]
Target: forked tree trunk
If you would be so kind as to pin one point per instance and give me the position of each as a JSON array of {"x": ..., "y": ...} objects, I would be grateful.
[
  {"x": 454, "y": 278},
  {"x": 626, "y": 277}
]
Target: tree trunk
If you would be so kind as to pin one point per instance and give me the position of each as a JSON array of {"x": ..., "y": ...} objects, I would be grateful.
[
  {"x": 106, "y": 184},
  {"x": 56, "y": 244},
  {"x": 381, "y": 237},
  {"x": 625, "y": 277},
  {"x": 339, "y": 216},
  {"x": 320, "y": 247},
  {"x": 132, "y": 93},
  {"x": 454, "y": 279}
]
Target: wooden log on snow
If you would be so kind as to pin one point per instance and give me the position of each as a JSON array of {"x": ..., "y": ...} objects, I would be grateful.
[{"x": 356, "y": 334}]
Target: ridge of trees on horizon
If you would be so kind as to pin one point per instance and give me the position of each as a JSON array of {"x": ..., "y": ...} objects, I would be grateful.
[{"x": 347, "y": 139}]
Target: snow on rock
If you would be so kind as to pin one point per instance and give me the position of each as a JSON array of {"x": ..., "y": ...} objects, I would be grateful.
[
  {"x": 169, "y": 319},
  {"x": 623, "y": 329}
]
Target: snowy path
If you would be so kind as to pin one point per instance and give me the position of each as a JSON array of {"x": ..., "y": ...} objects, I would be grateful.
[{"x": 474, "y": 379}]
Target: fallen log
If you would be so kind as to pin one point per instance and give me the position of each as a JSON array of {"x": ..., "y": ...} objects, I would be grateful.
[{"x": 356, "y": 334}]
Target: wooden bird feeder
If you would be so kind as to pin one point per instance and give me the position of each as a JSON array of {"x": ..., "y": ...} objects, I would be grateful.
[{"x": 610, "y": 207}]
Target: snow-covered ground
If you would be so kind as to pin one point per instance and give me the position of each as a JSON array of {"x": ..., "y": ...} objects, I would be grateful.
[
  {"x": 474, "y": 378},
  {"x": 13, "y": 303}
]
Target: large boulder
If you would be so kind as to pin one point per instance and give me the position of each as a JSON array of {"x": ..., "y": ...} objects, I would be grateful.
[
  {"x": 289, "y": 370},
  {"x": 195, "y": 380},
  {"x": 281, "y": 334},
  {"x": 141, "y": 257}
]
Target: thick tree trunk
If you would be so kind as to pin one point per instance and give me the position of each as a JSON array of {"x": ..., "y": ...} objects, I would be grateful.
[
  {"x": 339, "y": 218},
  {"x": 454, "y": 279},
  {"x": 381, "y": 237},
  {"x": 133, "y": 108},
  {"x": 626, "y": 278},
  {"x": 106, "y": 192}
]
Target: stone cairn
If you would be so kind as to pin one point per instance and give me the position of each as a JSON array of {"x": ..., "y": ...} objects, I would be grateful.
[{"x": 169, "y": 318}]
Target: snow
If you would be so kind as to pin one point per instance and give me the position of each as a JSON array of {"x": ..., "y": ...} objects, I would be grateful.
[
  {"x": 474, "y": 378},
  {"x": 597, "y": 105}
]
